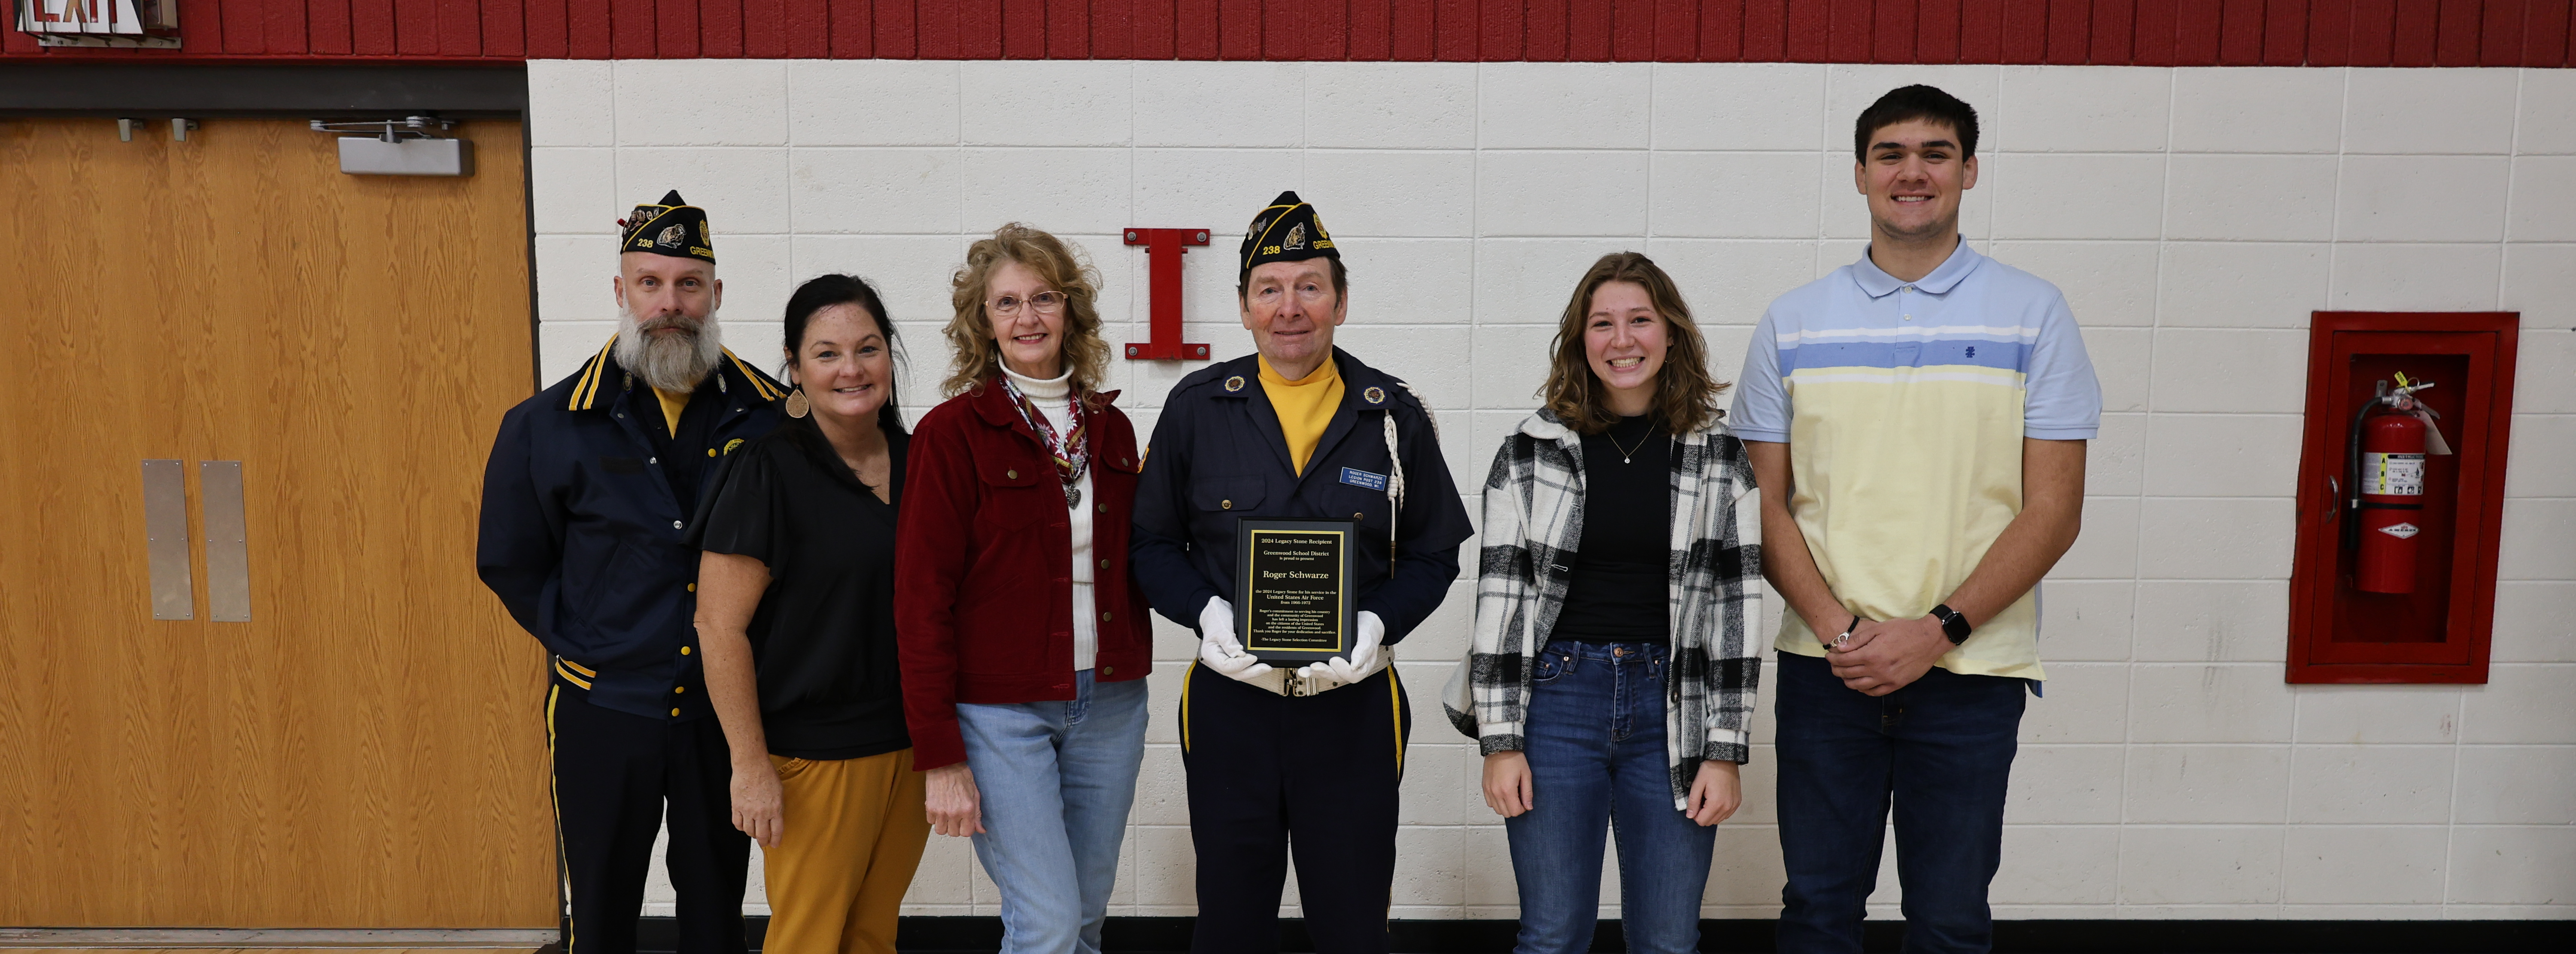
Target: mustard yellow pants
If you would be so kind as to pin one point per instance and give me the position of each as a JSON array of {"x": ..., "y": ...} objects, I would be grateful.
[{"x": 854, "y": 833}]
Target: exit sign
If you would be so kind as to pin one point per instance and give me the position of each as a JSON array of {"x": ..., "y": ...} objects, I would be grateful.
[{"x": 126, "y": 23}]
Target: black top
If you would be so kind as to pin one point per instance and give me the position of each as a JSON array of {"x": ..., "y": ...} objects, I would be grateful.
[
  {"x": 823, "y": 638},
  {"x": 1617, "y": 592}
]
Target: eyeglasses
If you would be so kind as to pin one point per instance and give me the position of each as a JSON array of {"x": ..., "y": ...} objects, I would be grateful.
[{"x": 1044, "y": 303}]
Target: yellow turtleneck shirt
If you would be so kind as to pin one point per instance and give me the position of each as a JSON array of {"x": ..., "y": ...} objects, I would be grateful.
[{"x": 1305, "y": 406}]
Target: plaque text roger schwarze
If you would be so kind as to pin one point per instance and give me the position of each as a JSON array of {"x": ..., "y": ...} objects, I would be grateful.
[{"x": 1294, "y": 603}]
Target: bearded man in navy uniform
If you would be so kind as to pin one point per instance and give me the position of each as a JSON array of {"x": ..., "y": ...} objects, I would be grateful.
[
  {"x": 587, "y": 500},
  {"x": 1305, "y": 759}
]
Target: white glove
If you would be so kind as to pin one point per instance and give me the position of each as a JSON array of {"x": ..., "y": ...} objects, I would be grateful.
[
  {"x": 1219, "y": 650},
  {"x": 1363, "y": 656}
]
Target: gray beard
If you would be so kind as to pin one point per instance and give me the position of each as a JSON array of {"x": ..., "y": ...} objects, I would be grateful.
[{"x": 675, "y": 361}]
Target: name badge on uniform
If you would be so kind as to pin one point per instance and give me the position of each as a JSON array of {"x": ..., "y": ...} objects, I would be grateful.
[{"x": 1361, "y": 478}]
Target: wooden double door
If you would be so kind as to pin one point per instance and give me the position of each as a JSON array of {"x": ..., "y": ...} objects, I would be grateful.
[{"x": 367, "y": 749}]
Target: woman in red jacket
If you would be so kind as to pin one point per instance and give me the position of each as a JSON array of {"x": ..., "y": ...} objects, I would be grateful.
[{"x": 1024, "y": 642}]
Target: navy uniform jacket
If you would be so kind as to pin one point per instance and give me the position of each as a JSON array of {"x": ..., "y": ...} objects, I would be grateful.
[
  {"x": 1219, "y": 455},
  {"x": 583, "y": 534}
]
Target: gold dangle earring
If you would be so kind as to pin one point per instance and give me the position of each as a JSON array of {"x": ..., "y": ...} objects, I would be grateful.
[{"x": 796, "y": 403}]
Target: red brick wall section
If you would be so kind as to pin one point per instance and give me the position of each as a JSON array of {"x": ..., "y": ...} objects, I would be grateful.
[{"x": 2102, "y": 32}]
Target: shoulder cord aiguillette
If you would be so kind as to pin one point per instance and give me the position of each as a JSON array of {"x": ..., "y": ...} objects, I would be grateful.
[{"x": 1395, "y": 469}]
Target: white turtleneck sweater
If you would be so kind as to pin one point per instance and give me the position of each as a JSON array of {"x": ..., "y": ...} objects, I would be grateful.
[{"x": 1049, "y": 395}]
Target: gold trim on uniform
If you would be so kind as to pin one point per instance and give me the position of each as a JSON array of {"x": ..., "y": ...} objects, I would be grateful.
[
  {"x": 1186, "y": 673},
  {"x": 572, "y": 928},
  {"x": 587, "y": 389},
  {"x": 767, "y": 393},
  {"x": 1395, "y": 710}
]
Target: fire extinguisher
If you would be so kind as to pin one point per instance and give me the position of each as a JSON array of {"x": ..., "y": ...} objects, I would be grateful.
[{"x": 2387, "y": 453}]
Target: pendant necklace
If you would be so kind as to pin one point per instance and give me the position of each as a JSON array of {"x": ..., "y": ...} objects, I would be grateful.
[{"x": 1629, "y": 454}]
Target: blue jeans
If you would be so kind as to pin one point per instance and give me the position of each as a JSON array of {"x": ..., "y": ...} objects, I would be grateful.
[
  {"x": 1056, "y": 780},
  {"x": 1595, "y": 737},
  {"x": 1942, "y": 749}
]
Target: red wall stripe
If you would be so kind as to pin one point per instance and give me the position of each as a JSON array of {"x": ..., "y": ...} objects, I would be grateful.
[
  {"x": 1238, "y": 29},
  {"x": 764, "y": 28},
  {"x": 2456, "y": 42},
  {"x": 720, "y": 28},
  {"x": 1848, "y": 25},
  {"x": 979, "y": 29},
  {"x": 460, "y": 30},
  {"x": 1935, "y": 34},
  {"x": 2285, "y": 32},
  {"x": 1810, "y": 25},
  {"x": 1415, "y": 30},
  {"x": 2500, "y": 40},
  {"x": 2025, "y": 31},
  {"x": 2329, "y": 33},
  {"x": 326, "y": 27},
  {"x": 1500, "y": 25},
  {"x": 1981, "y": 31},
  {"x": 2546, "y": 32},
  {"x": 284, "y": 27},
  {"x": 244, "y": 29},
  {"x": 2104, "y": 32},
  {"x": 503, "y": 28},
  {"x": 2240, "y": 32},
  {"x": 2114, "y": 25},
  {"x": 1892, "y": 33},
  {"x": 2070, "y": 32},
  {"x": 2414, "y": 37},
  {"x": 1721, "y": 31},
  {"x": 1546, "y": 34},
  {"x": 1458, "y": 34}
]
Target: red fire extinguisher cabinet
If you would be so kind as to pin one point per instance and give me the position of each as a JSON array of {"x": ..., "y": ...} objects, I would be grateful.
[{"x": 2437, "y": 632}]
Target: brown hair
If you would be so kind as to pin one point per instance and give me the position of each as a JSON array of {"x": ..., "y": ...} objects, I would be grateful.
[
  {"x": 970, "y": 330},
  {"x": 1686, "y": 395}
]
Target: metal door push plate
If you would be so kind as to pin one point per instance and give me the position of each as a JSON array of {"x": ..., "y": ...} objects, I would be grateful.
[{"x": 165, "y": 539}]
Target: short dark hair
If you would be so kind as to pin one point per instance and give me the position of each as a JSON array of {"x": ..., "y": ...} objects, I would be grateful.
[
  {"x": 825, "y": 291},
  {"x": 1341, "y": 281},
  {"x": 1907, "y": 103}
]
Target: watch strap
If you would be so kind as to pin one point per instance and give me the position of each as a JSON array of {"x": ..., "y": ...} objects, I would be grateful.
[{"x": 1953, "y": 624}]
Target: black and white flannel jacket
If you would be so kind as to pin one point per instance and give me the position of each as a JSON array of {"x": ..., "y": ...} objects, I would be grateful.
[{"x": 1533, "y": 525}]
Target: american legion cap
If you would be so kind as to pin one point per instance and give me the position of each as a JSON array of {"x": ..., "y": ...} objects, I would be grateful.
[
  {"x": 670, "y": 227},
  {"x": 1286, "y": 231}
]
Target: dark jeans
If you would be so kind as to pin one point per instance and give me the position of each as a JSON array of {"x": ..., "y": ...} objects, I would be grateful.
[
  {"x": 1595, "y": 735},
  {"x": 1942, "y": 748}
]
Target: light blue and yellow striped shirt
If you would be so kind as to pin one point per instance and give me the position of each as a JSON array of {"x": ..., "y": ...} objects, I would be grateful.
[{"x": 1904, "y": 405}]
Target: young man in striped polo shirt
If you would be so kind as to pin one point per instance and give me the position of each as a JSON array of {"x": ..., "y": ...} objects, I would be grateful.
[{"x": 1917, "y": 421}]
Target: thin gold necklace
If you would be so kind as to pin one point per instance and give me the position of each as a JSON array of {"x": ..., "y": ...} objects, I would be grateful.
[{"x": 1629, "y": 454}]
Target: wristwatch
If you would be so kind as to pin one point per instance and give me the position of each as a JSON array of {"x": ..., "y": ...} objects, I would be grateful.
[{"x": 1953, "y": 625}]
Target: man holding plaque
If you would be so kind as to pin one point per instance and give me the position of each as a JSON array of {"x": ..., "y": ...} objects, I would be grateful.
[{"x": 1296, "y": 510}]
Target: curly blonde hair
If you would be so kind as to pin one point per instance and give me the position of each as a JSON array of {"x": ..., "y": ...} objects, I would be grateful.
[
  {"x": 1685, "y": 394},
  {"x": 970, "y": 331}
]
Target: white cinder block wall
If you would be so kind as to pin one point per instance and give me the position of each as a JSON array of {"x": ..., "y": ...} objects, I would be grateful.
[{"x": 2193, "y": 216}]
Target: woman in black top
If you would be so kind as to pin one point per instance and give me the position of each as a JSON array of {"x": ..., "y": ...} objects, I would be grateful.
[
  {"x": 796, "y": 613},
  {"x": 1613, "y": 665}
]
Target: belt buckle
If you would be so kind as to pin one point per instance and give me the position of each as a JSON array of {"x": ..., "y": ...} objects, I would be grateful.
[{"x": 1298, "y": 686}]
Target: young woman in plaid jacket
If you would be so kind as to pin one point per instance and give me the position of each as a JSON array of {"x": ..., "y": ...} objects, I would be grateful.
[{"x": 1614, "y": 665}]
